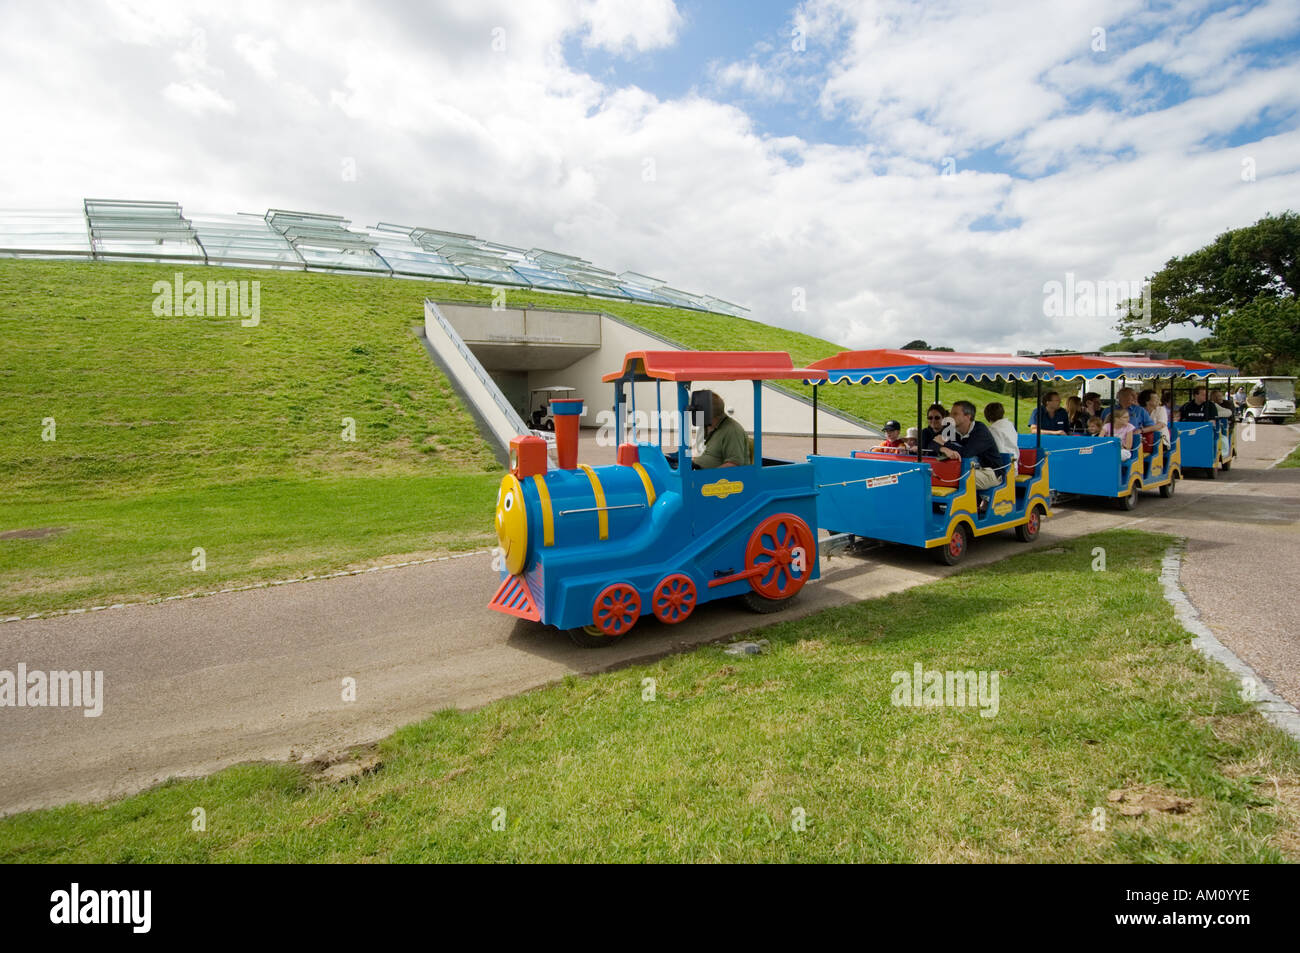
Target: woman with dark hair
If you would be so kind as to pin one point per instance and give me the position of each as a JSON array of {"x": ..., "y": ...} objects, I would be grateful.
[{"x": 934, "y": 426}]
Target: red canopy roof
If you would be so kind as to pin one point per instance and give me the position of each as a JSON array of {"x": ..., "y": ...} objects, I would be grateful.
[
  {"x": 1204, "y": 368},
  {"x": 1091, "y": 365},
  {"x": 711, "y": 366}
]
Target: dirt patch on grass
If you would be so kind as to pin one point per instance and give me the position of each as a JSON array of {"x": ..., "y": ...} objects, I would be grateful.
[
  {"x": 1136, "y": 801},
  {"x": 38, "y": 533},
  {"x": 350, "y": 765}
]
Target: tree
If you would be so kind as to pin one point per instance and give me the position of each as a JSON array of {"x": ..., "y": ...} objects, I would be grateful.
[
  {"x": 1245, "y": 283},
  {"x": 1264, "y": 335}
]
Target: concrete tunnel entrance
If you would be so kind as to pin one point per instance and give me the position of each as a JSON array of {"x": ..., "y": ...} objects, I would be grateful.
[{"x": 497, "y": 357}]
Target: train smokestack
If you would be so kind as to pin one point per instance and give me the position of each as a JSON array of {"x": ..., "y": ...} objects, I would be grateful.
[{"x": 566, "y": 412}]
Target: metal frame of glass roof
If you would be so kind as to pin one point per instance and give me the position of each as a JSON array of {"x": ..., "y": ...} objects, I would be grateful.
[{"x": 128, "y": 230}]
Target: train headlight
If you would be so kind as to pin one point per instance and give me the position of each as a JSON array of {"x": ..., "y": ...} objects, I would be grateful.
[{"x": 512, "y": 524}]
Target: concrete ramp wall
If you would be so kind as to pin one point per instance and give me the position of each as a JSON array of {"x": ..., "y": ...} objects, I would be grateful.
[{"x": 496, "y": 418}]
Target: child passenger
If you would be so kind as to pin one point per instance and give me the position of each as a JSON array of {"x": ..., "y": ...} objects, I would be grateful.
[
  {"x": 1094, "y": 426},
  {"x": 1003, "y": 430},
  {"x": 1122, "y": 429},
  {"x": 892, "y": 441}
]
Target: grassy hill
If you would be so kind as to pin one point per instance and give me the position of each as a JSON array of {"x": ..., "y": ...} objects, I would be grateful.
[{"x": 176, "y": 433}]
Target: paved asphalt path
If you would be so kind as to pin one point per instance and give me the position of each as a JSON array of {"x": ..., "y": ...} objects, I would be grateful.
[{"x": 194, "y": 685}]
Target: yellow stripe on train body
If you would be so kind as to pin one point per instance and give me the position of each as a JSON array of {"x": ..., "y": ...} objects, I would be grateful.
[
  {"x": 598, "y": 492},
  {"x": 645, "y": 480},
  {"x": 548, "y": 515}
]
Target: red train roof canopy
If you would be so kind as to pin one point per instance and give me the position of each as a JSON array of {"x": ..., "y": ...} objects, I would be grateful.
[
  {"x": 1092, "y": 365},
  {"x": 711, "y": 366},
  {"x": 1205, "y": 368}
]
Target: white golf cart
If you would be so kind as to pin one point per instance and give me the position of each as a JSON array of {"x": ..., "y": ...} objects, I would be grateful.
[
  {"x": 539, "y": 406},
  {"x": 1268, "y": 398}
]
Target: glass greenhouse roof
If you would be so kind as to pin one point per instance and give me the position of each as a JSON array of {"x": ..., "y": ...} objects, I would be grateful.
[{"x": 117, "y": 230}]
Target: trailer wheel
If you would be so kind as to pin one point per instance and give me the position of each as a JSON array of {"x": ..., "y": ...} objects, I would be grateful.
[
  {"x": 1225, "y": 467},
  {"x": 1211, "y": 474},
  {"x": 953, "y": 551},
  {"x": 1129, "y": 502},
  {"x": 1028, "y": 532},
  {"x": 1168, "y": 489}
]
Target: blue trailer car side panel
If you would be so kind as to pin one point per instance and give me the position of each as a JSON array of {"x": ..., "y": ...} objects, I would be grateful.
[
  {"x": 1084, "y": 465},
  {"x": 878, "y": 499}
]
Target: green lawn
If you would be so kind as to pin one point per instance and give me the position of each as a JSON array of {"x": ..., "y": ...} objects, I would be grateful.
[
  {"x": 1292, "y": 460},
  {"x": 1099, "y": 692},
  {"x": 131, "y": 549},
  {"x": 176, "y": 432}
]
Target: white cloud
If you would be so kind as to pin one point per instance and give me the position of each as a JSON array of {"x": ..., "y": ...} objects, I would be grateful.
[
  {"x": 196, "y": 98},
  {"x": 619, "y": 25},
  {"x": 258, "y": 54},
  {"x": 751, "y": 78},
  {"x": 516, "y": 145}
]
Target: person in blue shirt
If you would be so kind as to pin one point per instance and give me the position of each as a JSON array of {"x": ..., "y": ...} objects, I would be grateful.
[
  {"x": 1137, "y": 415},
  {"x": 1051, "y": 417}
]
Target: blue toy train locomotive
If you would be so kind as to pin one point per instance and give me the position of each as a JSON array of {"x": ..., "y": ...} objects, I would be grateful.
[{"x": 592, "y": 549}]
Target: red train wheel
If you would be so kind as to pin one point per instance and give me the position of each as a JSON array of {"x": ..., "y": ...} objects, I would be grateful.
[
  {"x": 772, "y": 547},
  {"x": 616, "y": 609},
  {"x": 674, "y": 598}
]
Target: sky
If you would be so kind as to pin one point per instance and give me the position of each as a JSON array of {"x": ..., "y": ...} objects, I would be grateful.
[{"x": 980, "y": 176}]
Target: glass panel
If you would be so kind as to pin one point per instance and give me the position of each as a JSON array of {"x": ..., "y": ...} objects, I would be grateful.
[
  {"x": 41, "y": 232},
  {"x": 245, "y": 239}
]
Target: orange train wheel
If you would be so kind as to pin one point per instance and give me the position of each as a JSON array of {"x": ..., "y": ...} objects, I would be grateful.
[
  {"x": 674, "y": 598},
  {"x": 773, "y": 547},
  {"x": 616, "y": 609}
]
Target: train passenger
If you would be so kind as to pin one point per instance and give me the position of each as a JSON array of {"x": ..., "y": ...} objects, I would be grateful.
[
  {"x": 1119, "y": 426},
  {"x": 1219, "y": 400},
  {"x": 1198, "y": 408},
  {"x": 972, "y": 440},
  {"x": 893, "y": 436},
  {"x": 910, "y": 439},
  {"x": 935, "y": 417},
  {"x": 1092, "y": 403},
  {"x": 1003, "y": 430},
  {"x": 1049, "y": 418},
  {"x": 1127, "y": 400},
  {"x": 725, "y": 442},
  {"x": 1151, "y": 402},
  {"x": 1078, "y": 417},
  {"x": 1094, "y": 427}
]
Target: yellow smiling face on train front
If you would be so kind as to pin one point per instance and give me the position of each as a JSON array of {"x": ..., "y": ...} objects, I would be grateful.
[{"x": 512, "y": 524}]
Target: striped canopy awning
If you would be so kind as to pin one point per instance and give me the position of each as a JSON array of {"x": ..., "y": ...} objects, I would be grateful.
[{"x": 891, "y": 366}]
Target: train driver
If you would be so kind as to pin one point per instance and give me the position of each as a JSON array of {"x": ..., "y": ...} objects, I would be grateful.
[{"x": 725, "y": 442}]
